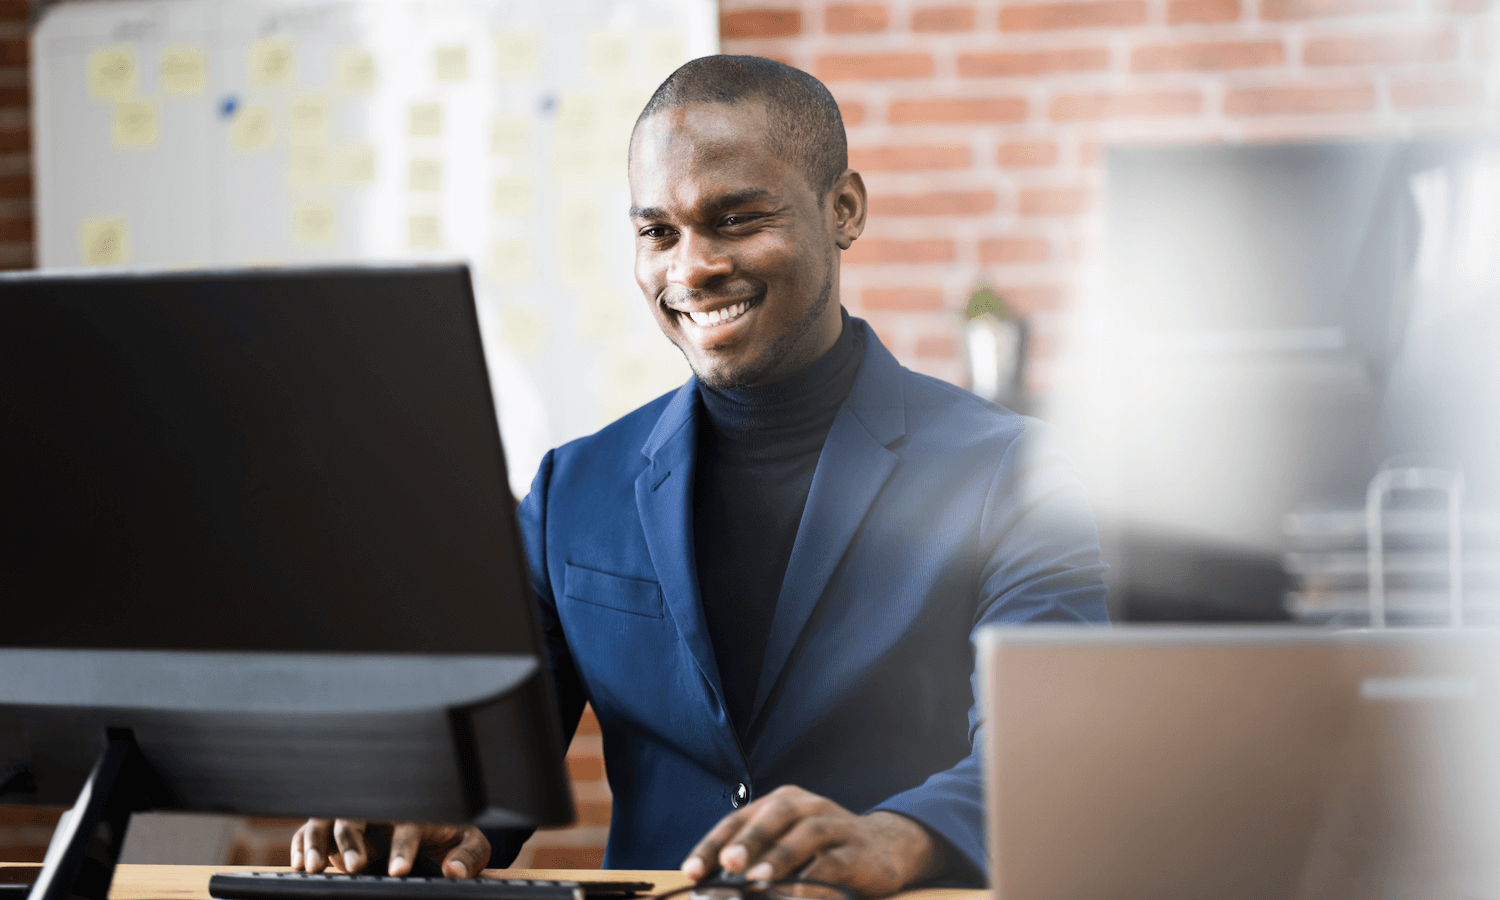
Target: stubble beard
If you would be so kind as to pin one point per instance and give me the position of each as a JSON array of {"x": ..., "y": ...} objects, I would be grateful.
[{"x": 774, "y": 355}]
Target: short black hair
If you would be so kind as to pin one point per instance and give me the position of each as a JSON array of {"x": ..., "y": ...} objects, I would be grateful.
[{"x": 804, "y": 118}]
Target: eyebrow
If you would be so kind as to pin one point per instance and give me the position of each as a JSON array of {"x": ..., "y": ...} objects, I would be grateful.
[{"x": 735, "y": 198}]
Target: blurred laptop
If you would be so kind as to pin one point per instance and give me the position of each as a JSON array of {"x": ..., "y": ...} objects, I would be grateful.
[{"x": 1255, "y": 763}]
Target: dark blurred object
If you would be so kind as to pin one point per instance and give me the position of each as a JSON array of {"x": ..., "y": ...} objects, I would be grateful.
[{"x": 1175, "y": 579}]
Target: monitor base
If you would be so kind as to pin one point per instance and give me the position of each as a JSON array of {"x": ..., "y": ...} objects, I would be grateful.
[{"x": 80, "y": 861}]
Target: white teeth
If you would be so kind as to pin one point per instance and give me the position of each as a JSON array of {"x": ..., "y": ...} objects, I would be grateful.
[{"x": 719, "y": 316}]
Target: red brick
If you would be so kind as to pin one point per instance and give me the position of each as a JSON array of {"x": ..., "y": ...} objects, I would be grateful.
[
  {"x": 1027, "y": 153},
  {"x": 1078, "y": 107},
  {"x": 592, "y": 813},
  {"x": 1063, "y": 201},
  {"x": 11, "y": 266},
  {"x": 14, "y": 96},
  {"x": 15, "y": 10},
  {"x": 1390, "y": 48},
  {"x": 1073, "y": 14},
  {"x": 1280, "y": 10},
  {"x": 14, "y": 187},
  {"x": 760, "y": 23},
  {"x": 15, "y": 52},
  {"x": 840, "y": 66},
  {"x": 1275, "y": 101},
  {"x": 908, "y": 299},
  {"x": 934, "y": 203},
  {"x": 588, "y": 723},
  {"x": 23, "y": 852},
  {"x": 1209, "y": 55},
  {"x": 15, "y": 230},
  {"x": 855, "y": 18},
  {"x": 568, "y": 858},
  {"x": 1033, "y": 62},
  {"x": 1031, "y": 298},
  {"x": 43, "y": 816},
  {"x": 943, "y": 18},
  {"x": 938, "y": 346},
  {"x": 1202, "y": 12},
  {"x": 909, "y": 159},
  {"x": 851, "y": 111},
  {"x": 888, "y": 250},
  {"x": 1014, "y": 250},
  {"x": 1425, "y": 93},
  {"x": 958, "y": 110},
  {"x": 585, "y": 768},
  {"x": 15, "y": 140}
]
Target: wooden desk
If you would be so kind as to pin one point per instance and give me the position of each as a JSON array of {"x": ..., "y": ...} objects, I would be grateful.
[{"x": 191, "y": 882}]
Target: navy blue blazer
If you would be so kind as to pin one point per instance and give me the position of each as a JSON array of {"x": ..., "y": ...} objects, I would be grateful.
[{"x": 931, "y": 512}]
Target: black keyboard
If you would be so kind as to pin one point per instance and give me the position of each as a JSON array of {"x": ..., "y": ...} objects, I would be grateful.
[{"x": 338, "y": 886}]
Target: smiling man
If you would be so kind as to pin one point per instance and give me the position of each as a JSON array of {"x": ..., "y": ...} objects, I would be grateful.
[{"x": 766, "y": 582}]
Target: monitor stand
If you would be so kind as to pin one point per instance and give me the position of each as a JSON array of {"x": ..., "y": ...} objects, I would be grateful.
[{"x": 80, "y": 861}]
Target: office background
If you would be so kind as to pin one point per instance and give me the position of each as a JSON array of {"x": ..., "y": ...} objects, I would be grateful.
[{"x": 982, "y": 129}]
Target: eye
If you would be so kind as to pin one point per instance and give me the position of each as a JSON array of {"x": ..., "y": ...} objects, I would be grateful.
[
  {"x": 738, "y": 220},
  {"x": 655, "y": 232}
]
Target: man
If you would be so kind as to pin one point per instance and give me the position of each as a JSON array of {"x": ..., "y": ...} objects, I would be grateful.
[{"x": 766, "y": 582}]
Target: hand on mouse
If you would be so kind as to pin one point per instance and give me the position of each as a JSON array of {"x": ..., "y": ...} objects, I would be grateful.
[{"x": 875, "y": 854}]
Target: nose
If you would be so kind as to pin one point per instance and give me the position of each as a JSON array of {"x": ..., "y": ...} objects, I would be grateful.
[{"x": 698, "y": 261}]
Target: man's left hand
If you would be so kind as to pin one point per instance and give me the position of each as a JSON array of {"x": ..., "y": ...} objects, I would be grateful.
[{"x": 875, "y": 854}]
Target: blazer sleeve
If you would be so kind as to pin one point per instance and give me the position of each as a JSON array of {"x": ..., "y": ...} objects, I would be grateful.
[
  {"x": 505, "y": 843},
  {"x": 1037, "y": 560}
]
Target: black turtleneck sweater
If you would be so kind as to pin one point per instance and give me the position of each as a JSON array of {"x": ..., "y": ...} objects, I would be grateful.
[{"x": 756, "y": 457}]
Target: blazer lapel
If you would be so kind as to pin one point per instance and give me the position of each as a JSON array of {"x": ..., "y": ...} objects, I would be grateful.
[
  {"x": 664, "y": 499},
  {"x": 852, "y": 469}
]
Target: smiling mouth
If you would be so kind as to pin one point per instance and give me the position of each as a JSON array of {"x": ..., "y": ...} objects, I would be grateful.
[{"x": 718, "y": 316}]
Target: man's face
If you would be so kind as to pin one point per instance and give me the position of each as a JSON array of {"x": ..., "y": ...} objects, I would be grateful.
[{"x": 733, "y": 250}]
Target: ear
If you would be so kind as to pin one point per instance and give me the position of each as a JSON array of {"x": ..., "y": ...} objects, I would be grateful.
[{"x": 848, "y": 207}]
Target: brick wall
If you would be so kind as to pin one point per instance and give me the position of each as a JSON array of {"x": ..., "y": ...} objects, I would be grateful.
[
  {"x": 980, "y": 128},
  {"x": 980, "y": 125}
]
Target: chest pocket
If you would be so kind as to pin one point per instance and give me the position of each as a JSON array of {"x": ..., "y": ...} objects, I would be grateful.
[{"x": 631, "y": 595}]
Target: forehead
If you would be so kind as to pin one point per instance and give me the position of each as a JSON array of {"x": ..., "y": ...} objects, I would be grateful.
[{"x": 697, "y": 149}]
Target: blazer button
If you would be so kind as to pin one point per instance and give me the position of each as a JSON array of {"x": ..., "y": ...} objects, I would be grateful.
[{"x": 740, "y": 797}]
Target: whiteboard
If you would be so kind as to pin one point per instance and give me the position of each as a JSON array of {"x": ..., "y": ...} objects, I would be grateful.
[{"x": 206, "y": 133}]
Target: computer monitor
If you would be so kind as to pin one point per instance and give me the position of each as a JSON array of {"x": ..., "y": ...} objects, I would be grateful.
[{"x": 259, "y": 556}]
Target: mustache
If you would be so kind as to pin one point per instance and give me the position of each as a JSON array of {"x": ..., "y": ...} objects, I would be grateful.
[{"x": 697, "y": 299}]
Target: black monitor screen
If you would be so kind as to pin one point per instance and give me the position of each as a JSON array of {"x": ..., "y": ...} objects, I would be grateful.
[{"x": 264, "y": 461}]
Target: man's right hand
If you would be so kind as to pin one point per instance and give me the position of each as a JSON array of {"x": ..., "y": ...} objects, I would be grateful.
[{"x": 349, "y": 845}]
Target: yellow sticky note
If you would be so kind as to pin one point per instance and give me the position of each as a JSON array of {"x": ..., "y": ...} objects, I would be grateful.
[
  {"x": 510, "y": 136},
  {"x": 425, "y": 175},
  {"x": 512, "y": 195},
  {"x": 253, "y": 128},
  {"x": 424, "y": 231},
  {"x": 516, "y": 53},
  {"x": 135, "y": 124},
  {"x": 355, "y": 72},
  {"x": 104, "y": 241},
  {"x": 354, "y": 164},
  {"x": 184, "y": 69},
  {"x": 575, "y": 135},
  {"x": 608, "y": 54},
  {"x": 314, "y": 222},
  {"x": 604, "y": 313},
  {"x": 112, "y": 73},
  {"x": 307, "y": 165},
  {"x": 633, "y": 377},
  {"x": 451, "y": 63},
  {"x": 309, "y": 118},
  {"x": 579, "y": 249},
  {"x": 272, "y": 61},
  {"x": 510, "y": 260},
  {"x": 522, "y": 330},
  {"x": 425, "y": 120},
  {"x": 665, "y": 51}
]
